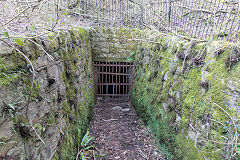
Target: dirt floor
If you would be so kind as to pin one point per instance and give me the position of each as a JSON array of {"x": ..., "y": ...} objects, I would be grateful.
[{"x": 119, "y": 134}]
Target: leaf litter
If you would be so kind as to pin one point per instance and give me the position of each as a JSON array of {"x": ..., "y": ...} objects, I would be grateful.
[{"x": 120, "y": 135}]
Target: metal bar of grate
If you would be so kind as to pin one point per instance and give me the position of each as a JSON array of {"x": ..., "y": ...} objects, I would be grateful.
[
  {"x": 112, "y": 95},
  {"x": 109, "y": 73},
  {"x": 113, "y": 79},
  {"x": 127, "y": 65}
]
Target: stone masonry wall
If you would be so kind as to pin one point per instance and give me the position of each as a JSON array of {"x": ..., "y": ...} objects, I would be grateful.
[
  {"x": 187, "y": 92},
  {"x": 62, "y": 98},
  {"x": 114, "y": 44}
]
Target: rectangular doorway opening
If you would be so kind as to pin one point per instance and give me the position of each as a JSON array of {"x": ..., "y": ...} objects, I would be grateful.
[{"x": 113, "y": 81}]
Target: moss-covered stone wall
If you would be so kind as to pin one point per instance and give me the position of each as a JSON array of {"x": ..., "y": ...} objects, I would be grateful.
[
  {"x": 184, "y": 91},
  {"x": 62, "y": 98},
  {"x": 115, "y": 44},
  {"x": 187, "y": 92}
]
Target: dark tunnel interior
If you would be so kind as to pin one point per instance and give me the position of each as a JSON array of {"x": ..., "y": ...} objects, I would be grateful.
[{"x": 113, "y": 79}]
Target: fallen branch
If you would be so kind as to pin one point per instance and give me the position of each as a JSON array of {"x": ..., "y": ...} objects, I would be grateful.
[
  {"x": 16, "y": 16},
  {"x": 79, "y": 152},
  {"x": 110, "y": 120},
  {"x": 51, "y": 57},
  {"x": 197, "y": 10},
  {"x": 142, "y": 154}
]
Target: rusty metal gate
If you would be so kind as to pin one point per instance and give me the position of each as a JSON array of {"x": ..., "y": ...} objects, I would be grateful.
[{"x": 113, "y": 80}]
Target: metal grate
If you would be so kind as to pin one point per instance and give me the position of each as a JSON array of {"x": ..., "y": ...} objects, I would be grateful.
[
  {"x": 113, "y": 80},
  {"x": 202, "y": 19}
]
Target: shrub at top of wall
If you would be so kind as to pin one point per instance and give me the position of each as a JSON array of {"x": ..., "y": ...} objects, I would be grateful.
[
  {"x": 62, "y": 98},
  {"x": 188, "y": 93}
]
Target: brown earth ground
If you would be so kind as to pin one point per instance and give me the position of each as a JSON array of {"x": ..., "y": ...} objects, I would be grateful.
[{"x": 120, "y": 135}]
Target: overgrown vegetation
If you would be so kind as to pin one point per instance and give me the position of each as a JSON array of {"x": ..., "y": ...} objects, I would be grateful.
[{"x": 85, "y": 147}]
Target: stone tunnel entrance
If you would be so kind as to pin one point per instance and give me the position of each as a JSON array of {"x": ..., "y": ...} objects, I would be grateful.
[{"x": 113, "y": 81}]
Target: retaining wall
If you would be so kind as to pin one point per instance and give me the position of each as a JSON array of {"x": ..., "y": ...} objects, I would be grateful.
[
  {"x": 62, "y": 98},
  {"x": 187, "y": 92}
]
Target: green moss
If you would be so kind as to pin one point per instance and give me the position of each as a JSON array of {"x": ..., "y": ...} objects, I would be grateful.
[
  {"x": 191, "y": 93},
  {"x": 68, "y": 148},
  {"x": 9, "y": 72},
  {"x": 113, "y": 48},
  {"x": 218, "y": 78},
  {"x": 12, "y": 68},
  {"x": 56, "y": 156},
  {"x": 76, "y": 130},
  {"x": 51, "y": 35},
  {"x": 77, "y": 113},
  {"x": 155, "y": 88},
  {"x": 51, "y": 118},
  {"x": 198, "y": 48},
  {"x": 185, "y": 148},
  {"x": 83, "y": 33},
  {"x": 35, "y": 92}
]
